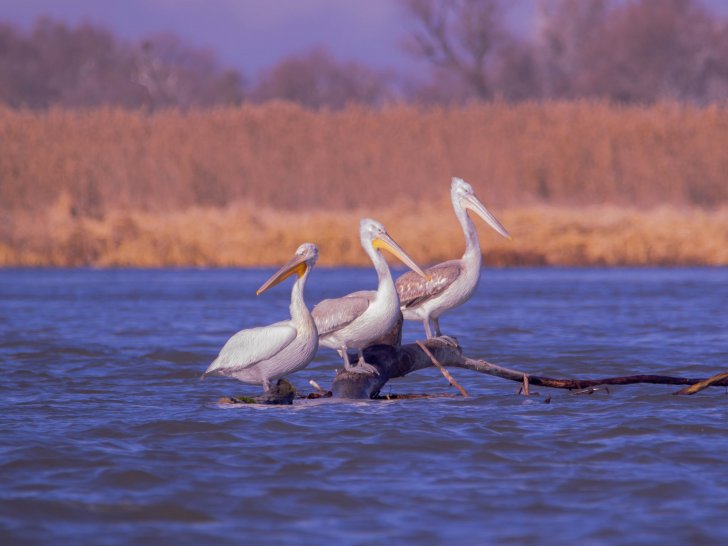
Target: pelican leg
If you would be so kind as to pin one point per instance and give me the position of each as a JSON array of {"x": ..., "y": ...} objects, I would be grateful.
[
  {"x": 345, "y": 355},
  {"x": 428, "y": 332},
  {"x": 362, "y": 366},
  {"x": 436, "y": 324}
]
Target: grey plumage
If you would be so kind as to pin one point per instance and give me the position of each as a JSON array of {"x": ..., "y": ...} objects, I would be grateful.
[
  {"x": 413, "y": 290},
  {"x": 451, "y": 283},
  {"x": 335, "y": 313}
]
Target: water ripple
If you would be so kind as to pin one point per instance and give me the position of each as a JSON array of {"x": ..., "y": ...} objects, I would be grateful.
[{"x": 109, "y": 438}]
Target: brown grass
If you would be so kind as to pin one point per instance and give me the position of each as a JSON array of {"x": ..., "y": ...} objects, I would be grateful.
[
  {"x": 282, "y": 156},
  {"x": 243, "y": 235},
  {"x": 576, "y": 183}
]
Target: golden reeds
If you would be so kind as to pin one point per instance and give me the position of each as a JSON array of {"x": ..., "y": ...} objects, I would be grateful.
[
  {"x": 244, "y": 235},
  {"x": 576, "y": 183},
  {"x": 282, "y": 156}
]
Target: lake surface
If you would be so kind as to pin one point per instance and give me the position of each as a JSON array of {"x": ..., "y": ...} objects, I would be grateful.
[{"x": 107, "y": 437}]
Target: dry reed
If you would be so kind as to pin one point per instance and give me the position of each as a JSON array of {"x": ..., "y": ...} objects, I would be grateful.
[
  {"x": 244, "y": 235},
  {"x": 576, "y": 183},
  {"x": 282, "y": 156}
]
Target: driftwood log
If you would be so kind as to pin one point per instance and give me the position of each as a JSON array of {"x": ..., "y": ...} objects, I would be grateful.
[{"x": 394, "y": 362}]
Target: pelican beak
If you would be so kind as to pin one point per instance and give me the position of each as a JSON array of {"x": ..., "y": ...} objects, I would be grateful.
[
  {"x": 474, "y": 204},
  {"x": 384, "y": 241},
  {"x": 297, "y": 265}
]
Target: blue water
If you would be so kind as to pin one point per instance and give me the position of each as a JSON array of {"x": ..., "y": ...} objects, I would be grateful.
[{"x": 108, "y": 438}]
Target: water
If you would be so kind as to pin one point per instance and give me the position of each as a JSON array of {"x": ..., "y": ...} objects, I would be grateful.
[{"x": 107, "y": 436}]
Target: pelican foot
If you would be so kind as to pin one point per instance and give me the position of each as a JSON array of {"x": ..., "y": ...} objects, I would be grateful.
[
  {"x": 362, "y": 367},
  {"x": 449, "y": 340},
  {"x": 280, "y": 393}
]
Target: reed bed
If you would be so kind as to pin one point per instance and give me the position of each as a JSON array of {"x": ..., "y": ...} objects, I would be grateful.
[
  {"x": 285, "y": 157},
  {"x": 577, "y": 183},
  {"x": 245, "y": 235}
]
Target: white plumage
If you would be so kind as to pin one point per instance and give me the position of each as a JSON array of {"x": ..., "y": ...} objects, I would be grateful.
[
  {"x": 261, "y": 355},
  {"x": 356, "y": 320},
  {"x": 450, "y": 283}
]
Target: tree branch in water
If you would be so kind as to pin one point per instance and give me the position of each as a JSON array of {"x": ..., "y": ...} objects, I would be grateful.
[{"x": 392, "y": 361}]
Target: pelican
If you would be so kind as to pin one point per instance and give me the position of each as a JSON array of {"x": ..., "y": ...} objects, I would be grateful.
[
  {"x": 450, "y": 283},
  {"x": 261, "y": 355},
  {"x": 355, "y": 320}
]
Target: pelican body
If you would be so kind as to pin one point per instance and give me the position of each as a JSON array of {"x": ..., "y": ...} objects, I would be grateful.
[
  {"x": 260, "y": 355},
  {"x": 356, "y": 320},
  {"x": 449, "y": 283}
]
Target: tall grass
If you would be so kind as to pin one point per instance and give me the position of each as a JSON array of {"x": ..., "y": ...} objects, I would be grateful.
[
  {"x": 282, "y": 156},
  {"x": 245, "y": 235},
  {"x": 583, "y": 182}
]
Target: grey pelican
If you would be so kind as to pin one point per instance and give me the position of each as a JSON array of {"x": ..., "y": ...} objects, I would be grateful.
[
  {"x": 355, "y": 320},
  {"x": 261, "y": 355},
  {"x": 450, "y": 283}
]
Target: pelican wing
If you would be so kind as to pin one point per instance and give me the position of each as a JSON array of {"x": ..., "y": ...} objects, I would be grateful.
[
  {"x": 335, "y": 313},
  {"x": 248, "y": 347},
  {"x": 413, "y": 289}
]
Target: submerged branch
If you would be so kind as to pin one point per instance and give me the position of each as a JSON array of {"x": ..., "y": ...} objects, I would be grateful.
[
  {"x": 514, "y": 375},
  {"x": 450, "y": 378},
  {"x": 394, "y": 360},
  {"x": 718, "y": 379}
]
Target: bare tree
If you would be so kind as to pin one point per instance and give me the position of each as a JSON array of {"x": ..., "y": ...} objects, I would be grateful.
[
  {"x": 316, "y": 79},
  {"x": 58, "y": 65},
  {"x": 173, "y": 74},
  {"x": 636, "y": 51},
  {"x": 714, "y": 66},
  {"x": 651, "y": 49},
  {"x": 459, "y": 37},
  {"x": 516, "y": 72},
  {"x": 565, "y": 30},
  {"x": 18, "y": 62},
  {"x": 639, "y": 51}
]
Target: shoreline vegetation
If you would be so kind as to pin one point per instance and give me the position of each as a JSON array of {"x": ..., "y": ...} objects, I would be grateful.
[
  {"x": 241, "y": 235},
  {"x": 576, "y": 184}
]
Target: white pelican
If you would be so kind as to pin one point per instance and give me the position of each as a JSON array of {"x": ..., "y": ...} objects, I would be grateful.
[
  {"x": 261, "y": 355},
  {"x": 355, "y": 320},
  {"x": 450, "y": 283}
]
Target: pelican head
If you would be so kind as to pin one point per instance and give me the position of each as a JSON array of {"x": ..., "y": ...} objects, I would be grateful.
[
  {"x": 463, "y": 194},
  {"x": 374, "y": 235},
  {"x": 303, "y": 260}
]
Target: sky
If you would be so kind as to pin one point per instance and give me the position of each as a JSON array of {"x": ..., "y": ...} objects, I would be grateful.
[{"x": 254, "y": 34}]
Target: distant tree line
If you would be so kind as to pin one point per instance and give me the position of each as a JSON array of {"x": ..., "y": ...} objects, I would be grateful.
[
  {"x": 635, "y": 51},
  {"x": 631, "y": 51},
  {"x": 56, "y": 65}
]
